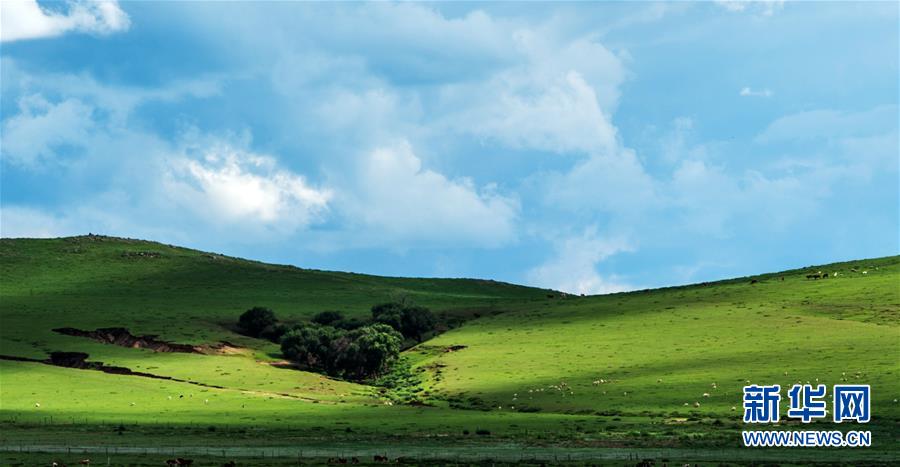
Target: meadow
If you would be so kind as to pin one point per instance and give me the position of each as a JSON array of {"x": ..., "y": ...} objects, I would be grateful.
[{"x": 655, "y": 373}]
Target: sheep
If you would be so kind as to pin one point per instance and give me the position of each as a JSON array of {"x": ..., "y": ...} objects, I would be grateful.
[
  {"x": 37, "y": 405},
  {"x": 696, "y": 404},
  {"x": 733, "y": 408},
  {"x": 705, "y": 394}
]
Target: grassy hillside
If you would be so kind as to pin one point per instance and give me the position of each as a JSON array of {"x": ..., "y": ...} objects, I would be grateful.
[{"x": 530, "y": 371}]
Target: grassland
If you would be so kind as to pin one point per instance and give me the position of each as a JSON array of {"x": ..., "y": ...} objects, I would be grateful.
[{"x": 672, "y": 361}]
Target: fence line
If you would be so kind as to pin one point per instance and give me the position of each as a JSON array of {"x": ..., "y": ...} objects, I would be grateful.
[{"x": 509, "y": 453}]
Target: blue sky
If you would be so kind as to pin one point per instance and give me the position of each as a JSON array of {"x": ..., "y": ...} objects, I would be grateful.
[{"x": 587, "y": 147}]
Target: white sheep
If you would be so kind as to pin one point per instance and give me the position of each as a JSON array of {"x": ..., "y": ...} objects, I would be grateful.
[{"x": 37, "y": 405}]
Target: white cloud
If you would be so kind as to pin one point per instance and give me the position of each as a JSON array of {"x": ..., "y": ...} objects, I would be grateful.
[
  {"x": 559, "y": 99},
  {"x": 32, "y": 137},
  {"x": 573, "y": 268},
  {"x": 230, "y": 186},
  {"x": 831, "y": 124},
  {"x": 400, "y": 200},
  {"x": 749, "y": 92},
  {"x": 26, "y": 19},
  {"x": 761, "y": 7},
  {"x": 562, "y": 117},
  {"x": 615, "y": 182},
  {"x": 22, "y": 222}
]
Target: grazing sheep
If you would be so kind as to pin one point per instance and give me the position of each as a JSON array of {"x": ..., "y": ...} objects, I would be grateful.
[
  {"x": 696, "y": 404},
  {"x": 733, "y": 408},
  {"x": 705, "y": 394},
  {"x": 37, "y": 405}
]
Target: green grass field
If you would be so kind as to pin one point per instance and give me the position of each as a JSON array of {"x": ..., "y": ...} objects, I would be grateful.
[{"x": 672, "y": 361}]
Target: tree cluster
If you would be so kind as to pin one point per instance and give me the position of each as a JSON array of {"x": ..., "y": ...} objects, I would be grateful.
[
  {"x": 344, "y": 347},
  {"x": 356, "y": 354}
]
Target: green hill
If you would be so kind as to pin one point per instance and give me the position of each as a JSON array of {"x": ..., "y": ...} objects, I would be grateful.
[{"x": 529, "y": 367}]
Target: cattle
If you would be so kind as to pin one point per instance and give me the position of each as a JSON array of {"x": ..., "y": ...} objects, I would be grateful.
[
  {"x": 378, "y": 458},
  {"x": 229, "y": 464},
  {"x": 85, "y": 462},
  {"x": 754, "y": 281}
]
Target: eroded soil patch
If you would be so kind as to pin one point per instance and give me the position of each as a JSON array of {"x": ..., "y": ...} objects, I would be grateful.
[{"x": 123, "y": 338}]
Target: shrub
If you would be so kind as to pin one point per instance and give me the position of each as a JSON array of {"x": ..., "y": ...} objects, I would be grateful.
[
  {"x": 327, "y": 318},
  {"x": 411, "y": 321},
  {"x": 416, "y": 321},
  {"x": 255, "y": 320},
  {"x": 388, "y": 313},
  {"x": 349, "y": 324},
  {"x": 309, "y": 345},
  {"x": 274, "y": 332}
]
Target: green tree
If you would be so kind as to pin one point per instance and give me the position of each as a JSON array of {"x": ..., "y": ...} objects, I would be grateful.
[
  {"x": 417, "y": 320},
  {"x": 255, "y": 320},
  {"x": 327, "y": 318},
  {"x": 390, "y": 313},
  {"x": 309, "y": 345},
  {"x": 375, "y": 348}
]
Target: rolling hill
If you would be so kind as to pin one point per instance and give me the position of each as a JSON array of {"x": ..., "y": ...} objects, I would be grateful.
[{"x": 529, "y": 369}]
